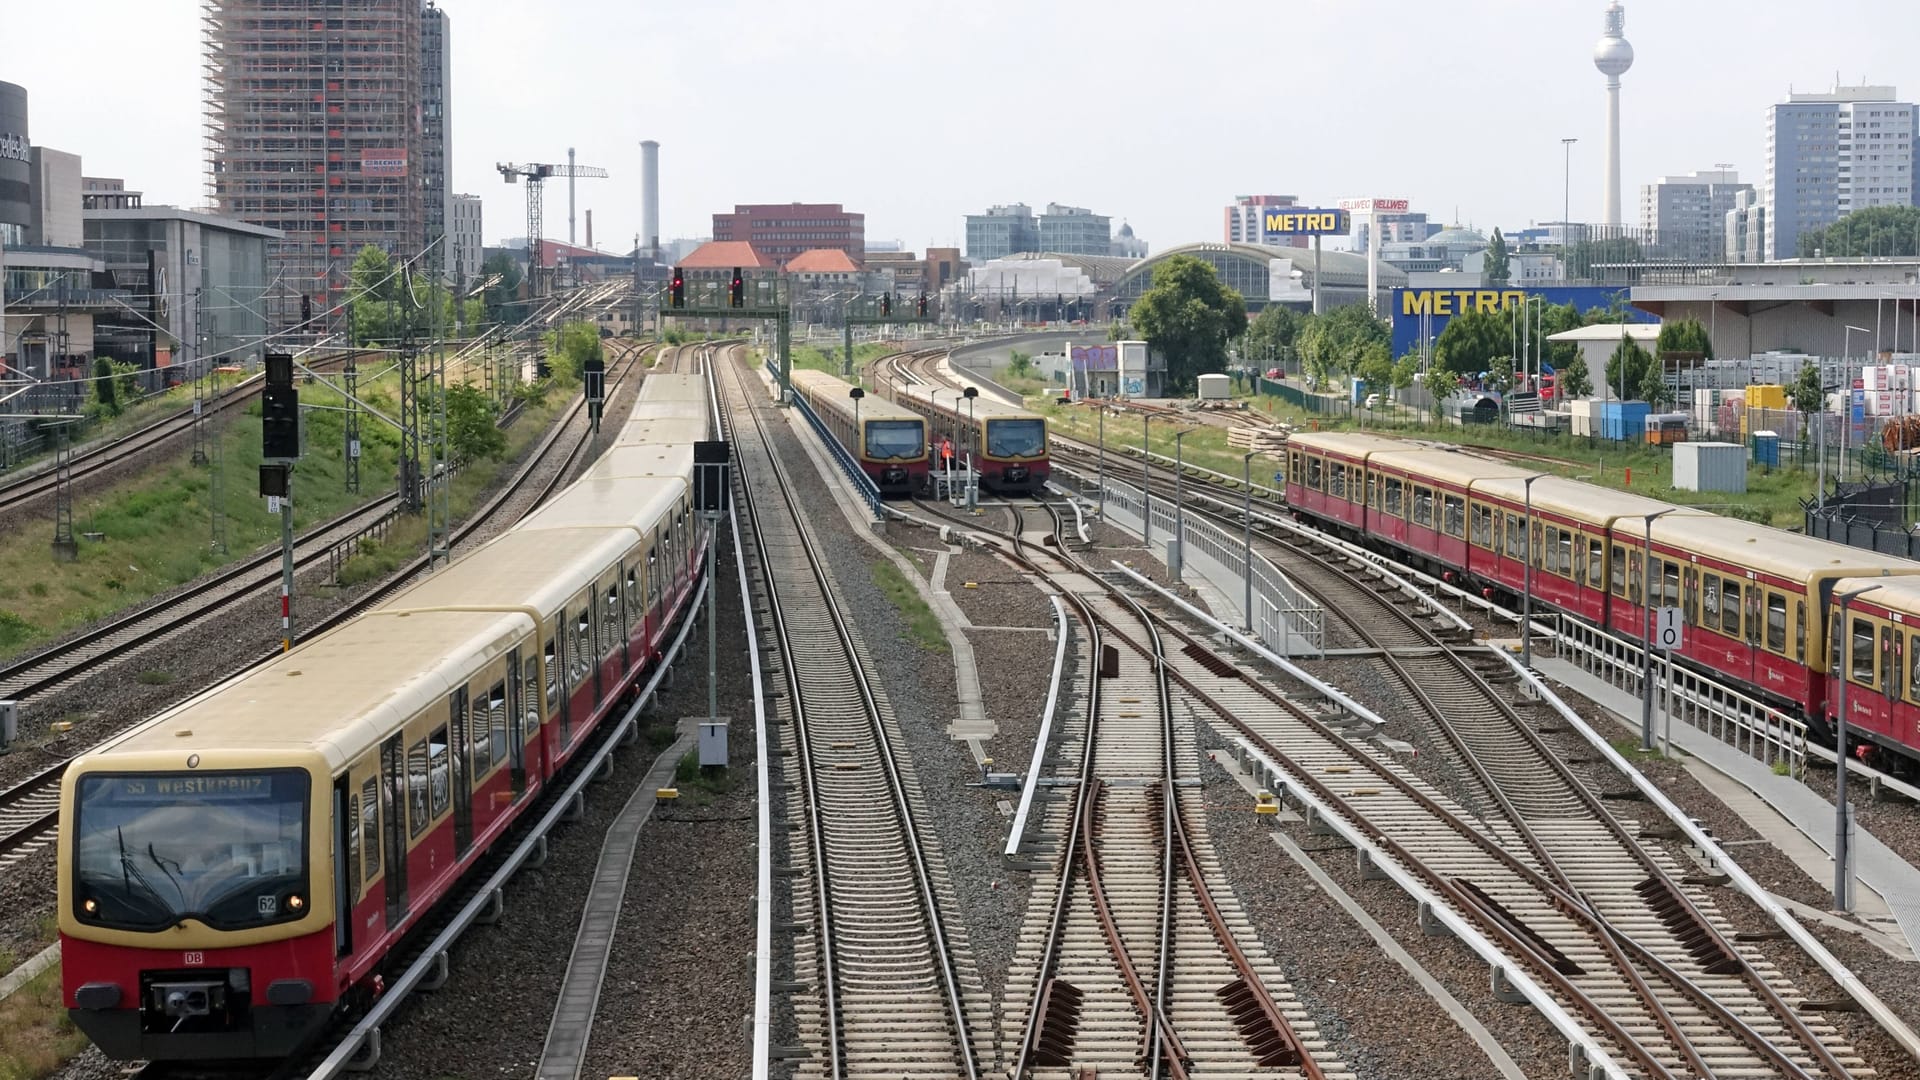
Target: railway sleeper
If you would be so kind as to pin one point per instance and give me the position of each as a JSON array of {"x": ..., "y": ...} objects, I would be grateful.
[
  {"x": 1259, "y": 1028},
  {"x": 1687, "y": 927},
  {"x": 1053, "y": 1036},
  {"x": 1498, "y": 912}
]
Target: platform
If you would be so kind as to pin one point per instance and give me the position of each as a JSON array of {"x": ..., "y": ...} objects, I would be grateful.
[{"x": 1789, "y": 814}]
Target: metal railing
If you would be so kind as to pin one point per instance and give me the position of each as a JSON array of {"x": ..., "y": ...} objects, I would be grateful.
[
  {"x": 1285, "y": 618},
  {"x": 862, "y": 483}
]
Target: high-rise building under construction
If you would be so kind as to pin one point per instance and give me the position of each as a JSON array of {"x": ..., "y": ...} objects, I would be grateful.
[{"x": 317, "y": 125}]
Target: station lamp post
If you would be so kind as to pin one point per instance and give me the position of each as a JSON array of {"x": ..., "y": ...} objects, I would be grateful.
[
  {"x": 1179, "y": 549},
  {"x": 1246, "y": 530},
  {"x": 1146, "y": 479},
  {"x": 1646, "y": 632},
  {"x": 1842, "y": 814},
  {"x": 979, "y": 440},
  {"x": 1526, "y": 594}
]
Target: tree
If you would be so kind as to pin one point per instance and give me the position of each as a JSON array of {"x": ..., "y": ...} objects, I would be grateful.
[
  {"x": 1570, "y": 378},
  {"x": 1272, "y": 332},
  {"x": 471, "y": 431},
  {"x": 1404, "y": 369},
  {"x": 1474, "y": 342},
  {"x": 1653, "y": 388},
  {"x": 1376, "y": 366},
  {"x": 570, "y": 347},
  {"x": 1627, "y": 367},
  {"x": 1189, "y": 315},
  {"x": 504, "y": 293},
  {"x": 106, "y": 386},
  {"x": 373, "y": 290},
  {"x": 1497, "y": 269},
  {"x": 1875, "y": 230},
  {"x": 474, "y": 312},
  {"x": 1684, "y": 336},
  {"x": 1333, "y": 344},
  {"x": 1808, "y": 395}
]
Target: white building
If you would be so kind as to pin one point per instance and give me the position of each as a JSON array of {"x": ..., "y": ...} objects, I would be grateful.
[
  {"x": 1688, "y": 214},
  {"x": 463, "y": 237},
  {"x": 1831, "y": 153}
]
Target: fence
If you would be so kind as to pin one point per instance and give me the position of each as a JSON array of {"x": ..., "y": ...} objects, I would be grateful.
[
  {"x": 1285, "y": 619},
  {"x": 869, "y": 491}
]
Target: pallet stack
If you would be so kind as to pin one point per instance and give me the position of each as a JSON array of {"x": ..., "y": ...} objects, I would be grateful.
[{"x": 1270, "y": 441}]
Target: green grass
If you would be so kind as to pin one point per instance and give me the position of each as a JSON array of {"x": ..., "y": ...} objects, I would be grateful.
[
  {"x": 40, "y": 1037},
  {"x": 1628, "y": 746},
  {"x": 698, "y": 786},
  {"x": 154, "y": 526},
  {"x": 154, "y": 677},
  {"x": 922, "y": 626},
  {"x": 1206, "y": 447}
]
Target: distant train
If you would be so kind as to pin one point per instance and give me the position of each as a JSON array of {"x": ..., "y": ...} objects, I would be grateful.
[
  {"x": 238, "y": 870},
  {"x": 1008, "y": 444},
  {"x": 1758, "y": 602},
  {"x": 891, "y": 446}
]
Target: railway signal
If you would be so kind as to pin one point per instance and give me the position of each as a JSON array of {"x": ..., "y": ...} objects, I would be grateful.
[
  {"x": 920, "y": 306},
  {"x": 677, "y": 290},
  {"x": 737, "y": 290},
  {"x": 279, "y": 410},
  {"x": 886, "y": 304}
]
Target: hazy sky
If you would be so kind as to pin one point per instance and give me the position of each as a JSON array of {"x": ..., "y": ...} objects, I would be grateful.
[{"x": 917, "y": 113}]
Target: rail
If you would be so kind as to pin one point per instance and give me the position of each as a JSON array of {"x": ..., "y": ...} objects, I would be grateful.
[
  {"x": 1285, "y": 618},
  {"x": 482, "y": 901},
  {"x": 1017, "y": 833}
]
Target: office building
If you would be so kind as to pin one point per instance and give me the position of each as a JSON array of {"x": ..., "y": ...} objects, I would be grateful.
[
  {"x": 1075, "y": 230},
  {"x": 197, "y": 280},
  {"x": 436, "y": 134},
  {"x": 463, "y": 237},
  {"x": 1831, "y": 153},
  {"x": 315, "y": 129},
  {"x": 1403, "y": 227},
  {"x": 1246, "y": 221},
  {"x": 107, "y": 193},
  {"x": 1688, "y": 214},
  {"x": 56, "y": 199},
  {"x": 1745, "y": 228},
  {"x": 1001, "y": 231},
  {"x": 781, "y": 231}
]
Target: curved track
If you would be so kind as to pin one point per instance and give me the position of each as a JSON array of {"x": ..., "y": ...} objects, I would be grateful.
[
  {"x": 889, "y": 1000},
  {"x": 28, "y": 810}
]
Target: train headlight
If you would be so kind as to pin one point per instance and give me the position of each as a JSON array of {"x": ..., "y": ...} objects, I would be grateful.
[
  {"x": 90, "y": 906},
  {"x": 296, "y": 902}
]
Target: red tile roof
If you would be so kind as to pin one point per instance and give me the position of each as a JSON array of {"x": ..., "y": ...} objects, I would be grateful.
[
  {"x": 822, "y": 261},
  {"x": 724, "y": 255}
]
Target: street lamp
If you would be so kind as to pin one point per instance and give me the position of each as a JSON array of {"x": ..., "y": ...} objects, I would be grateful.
[
  {"x": 1146, "y": 478},
  {"x": 1100, "y": 474},
  {"x": 1566, "y": 207},
  {"x": 1646, "y": 633},
  {"x": 859, "y": 436},
  {"x": 1178, "y": 550},
  {"x": 1842, "y": 848},
  {"x": 975, "y": 440},
  {"x": 1526, "y": 596},
  {"x": 1246, "y": 529}
]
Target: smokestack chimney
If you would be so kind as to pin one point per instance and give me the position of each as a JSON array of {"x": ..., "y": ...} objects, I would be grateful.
[
  {"x": 650, "y": 198},
  {"x": 589, "y": 230}
]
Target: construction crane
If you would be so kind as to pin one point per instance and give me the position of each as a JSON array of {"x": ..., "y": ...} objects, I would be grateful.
[{"x": 536, "y": 176}]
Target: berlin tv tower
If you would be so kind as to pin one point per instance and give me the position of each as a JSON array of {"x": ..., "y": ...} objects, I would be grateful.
[{"x": 1613, "y": 56}]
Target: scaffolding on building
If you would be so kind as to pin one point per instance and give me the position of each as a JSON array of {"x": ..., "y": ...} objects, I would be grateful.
[{"x": 312, "y": 114}]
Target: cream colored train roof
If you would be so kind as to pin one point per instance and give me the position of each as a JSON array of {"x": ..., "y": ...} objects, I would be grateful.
[
  {"x": 1354, "y": 444},
  {"x": 826, "y": 392},
  {"x": 672, "y": 386},
  {"x": 1590, "y": 504},
  {"x": 1773, "y": 551},
  {"x": 1446, "y": 466},
  {"x": 1901, "y": 594},
  {"x": 538, "y": 570}
]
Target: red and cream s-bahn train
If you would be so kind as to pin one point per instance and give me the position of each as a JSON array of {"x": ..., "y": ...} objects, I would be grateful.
[
  {"x": 235, "y": 871},
  {"x": 891, "y": 446},
  {"x": 1761, "y": 605},
  {"x": 1008, "y": 444}
]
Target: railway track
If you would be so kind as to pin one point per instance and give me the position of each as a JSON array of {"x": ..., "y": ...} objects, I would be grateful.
[
  {"x": 28, "y": 809},
  {"x": 26, "y": 489},
  {"x": 889, "y": 995}
]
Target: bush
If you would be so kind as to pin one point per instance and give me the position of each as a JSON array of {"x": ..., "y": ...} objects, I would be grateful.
[{"x": 471, "y": 433}]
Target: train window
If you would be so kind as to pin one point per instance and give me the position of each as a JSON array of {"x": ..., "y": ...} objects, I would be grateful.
[
  {"x": 1635, "y": 568},
  {"x": 1482, "y": 527},
  {"x": 1337, "y": 480},
  {"x": 1913, "y": 673},
  {"x": 1670, "y": 583},
  {"x": 370, "y": 826},
  {"x": 553, "y": 677},
  {"x": 1596, "y": 564},
  {"x": 1516, "y": 537},
  {"x": 1730, "y": 607},
  {"x": 417, "y": 815},
  {"x": 582, "y": 651},
  {"x": 1396, "y": 505},
  {"x": 632, "y": 595},
  {"x": 1373, "y": 490},
  {"x": 479, "y": 734},
  {"x": 353, "y": 851},
  {"x": 1834, "y": 630},
  {"x": 1619, "y": 570},
  {"x": 1776, "y": 623},
  {"x": 1800, "y": 630},
  {"x": 1710, "y": 601},
  {"x": 439, "y": 776},
  {"x": 1423, "y": 507},
  {"x": 497, "y": 719},
  {"x": 1860, "y": 665},
  {"x": 1563, "y": 554},
  {"x": 1314, "y": 466},
  {"x": 1890, "y": 661},
  {"x": 610, "y": 620},
  {"x": 530, "y": 690},
  {"x": 1453, "y": 516}
]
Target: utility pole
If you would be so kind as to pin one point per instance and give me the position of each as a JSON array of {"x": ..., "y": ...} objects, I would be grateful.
[
  {"x": 409, "y": 402},
  {"x": 65, "y": 547},
  {"x": 279, "y": 448},
  {"x": 202, "y": 397},
  {"x": 438, "y": 494},
  {"x": 351, "y": 379}
]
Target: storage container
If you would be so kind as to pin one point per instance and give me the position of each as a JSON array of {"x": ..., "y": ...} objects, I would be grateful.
[
  {"x": 1766, "y": 396},
  {"x": 1710, "y": 466},
  {"x": 1215, "y": 387}
]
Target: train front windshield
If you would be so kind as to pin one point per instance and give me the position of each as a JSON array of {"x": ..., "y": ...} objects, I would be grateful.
[
  {"x": 896, "y": 439},
  {"x": 227, "y": 848},
  {"x": 1016, "y": 438}
]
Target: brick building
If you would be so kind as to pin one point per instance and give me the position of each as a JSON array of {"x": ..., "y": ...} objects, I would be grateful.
[{"x": 781, "y": 231}]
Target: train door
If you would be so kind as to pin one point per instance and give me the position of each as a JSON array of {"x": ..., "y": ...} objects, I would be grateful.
[
  {"x": 528, "y": 702},
  {"x": 554, "y": 654},
  {"x": 462, "y": 777},
  {"x": 393, "y": 772},
  {"x": 1890, "y": 666},
  {"x": 346, "y": 864},
  {"x": 516, "y": 724}
]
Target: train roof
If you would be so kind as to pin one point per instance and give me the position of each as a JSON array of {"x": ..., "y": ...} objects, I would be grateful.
[
  {"x": 1446, "y": 466},
  {"x": 663, "y": 431},
  {"x": 1582, "y": 502},
  {"x": 538, "y": 570},
  {"x": 672, "y": 386},
  {"x": 341, "y": 692},
  {"x": 819, "y": 382},
  {"x": 984, "y": 406},
  {"x": 661, "y": 459},
  {"x": 1350, "y": 443},
  {"x": 590, "y": 502},
  {"x": 1774, "y": 551},
  {"x": 826, "y": 392},
  {"x": 1901, "y": 594}
]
